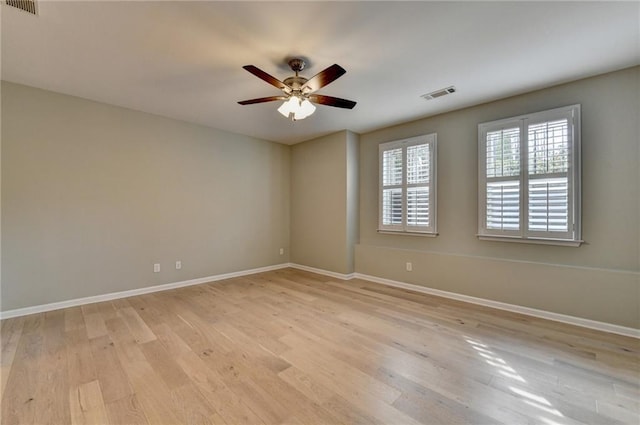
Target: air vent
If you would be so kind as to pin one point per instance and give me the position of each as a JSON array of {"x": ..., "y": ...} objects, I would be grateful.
[
  {"x": 26, "y": 5},
  {"x": 439, "y": 93}
]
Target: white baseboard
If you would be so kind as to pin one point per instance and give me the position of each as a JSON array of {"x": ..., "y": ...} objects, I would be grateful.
[
  {"x": 577, "y": 321},
  {"x": 572, "y": 320},
  {"x": 543, "y": 314},
  {"x": 323, "y": 272},
  {"x": 132, "y": 292}
]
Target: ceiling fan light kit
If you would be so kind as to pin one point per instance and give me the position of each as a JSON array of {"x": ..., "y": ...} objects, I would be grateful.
[
  {"x": 299, "y": 92},
  {"x": 297, "y": 108}
]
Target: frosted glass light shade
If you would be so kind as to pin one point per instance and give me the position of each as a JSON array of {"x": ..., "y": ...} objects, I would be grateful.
[
  {"x": 306, "y": 109},
  {"x": 289, "y": 106},
  {"x": 296, "y": 108}
]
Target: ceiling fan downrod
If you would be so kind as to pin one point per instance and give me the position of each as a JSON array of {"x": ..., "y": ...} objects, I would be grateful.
[{"x": 296, "y": 65}]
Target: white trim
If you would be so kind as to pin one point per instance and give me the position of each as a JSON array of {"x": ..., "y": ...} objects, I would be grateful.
[
  {"x": 133, "y": 292},
  {"x": 563, "y": 318},
  {"x": 538, "y": 241},
  {"x": 406, "y": 233},
  {"x": 543, "y": 314},
  {"x": 573, "y": 175},
  {"x": 571, "y": 320},
  {"x": 321, "y": 271},
  {"x": 431, "y": 140}
]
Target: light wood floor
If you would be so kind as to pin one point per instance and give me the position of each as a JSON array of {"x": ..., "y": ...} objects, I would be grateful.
[{"x": 290, "y": 347}]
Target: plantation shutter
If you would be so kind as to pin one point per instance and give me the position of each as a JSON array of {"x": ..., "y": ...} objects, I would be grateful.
[
  {"x": 549, "y": 208},
  {"x": 392, "y": 193},
  {"x": 529, "y": 177},
  {"x": 418, "y": 176},
  {"x": 502, "y": 179},
  {"x": 407, "y": 185}
]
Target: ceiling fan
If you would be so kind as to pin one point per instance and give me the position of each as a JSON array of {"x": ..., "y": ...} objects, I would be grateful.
[{"x": 299, "y": 93}]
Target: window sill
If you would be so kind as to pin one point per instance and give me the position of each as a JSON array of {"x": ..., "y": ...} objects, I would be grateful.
[
  {"x": 536, "y": 241},
  {"x": 404, "y": 233}
]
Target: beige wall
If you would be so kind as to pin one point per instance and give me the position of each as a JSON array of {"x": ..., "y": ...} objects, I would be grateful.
[
  {"x": 599, "y": 280},
  {"x": 93, "y": 195},
  {"x": 324, "y": 217}
]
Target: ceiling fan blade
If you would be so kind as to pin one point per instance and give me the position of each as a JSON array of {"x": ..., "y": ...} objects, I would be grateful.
[
  {"x": 323, "y": 78},
  {"x": 268, "y": 78},
  {"x": 332, "y": 101},
  {"x": 262, "y": 100}
]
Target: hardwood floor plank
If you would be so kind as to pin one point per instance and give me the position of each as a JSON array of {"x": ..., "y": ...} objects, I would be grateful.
[
  {"x": 114, "y": 382},
  {"x": 86, "y": 405},
  {"x": 260, "y": 332},
  {"x": 52, "y": 395},
  {"x": 549, "y": 402},
  {"x": 618, "y": 412},
  {"x": 108, "y": 309},
  {"x": 150, "y": 310},
  {"x": 438, "y": 410},
  {"x": 18, "y": 406},
  {"x": 261, "y": 354},
  {"x": 302, "y": 382},
  {"x": 136, "y": 325},
  {"x": 193, "y": 408},
  {"x": 351, "y": 414},
  {"x": 73, "y": 319},
  {"x": 80, "y": 362},
  {"x": 10, "y": 336},
  {"x": 95, "y": 325},
  {"x": 163, "y": 365},
  {"x": 126, "y": 410}
]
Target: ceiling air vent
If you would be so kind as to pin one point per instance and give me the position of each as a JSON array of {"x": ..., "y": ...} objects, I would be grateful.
[
  {"x": 26, "y": 5},
  {"x": 439, "y": 93}
]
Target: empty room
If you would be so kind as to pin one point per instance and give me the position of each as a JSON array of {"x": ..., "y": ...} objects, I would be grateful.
[{"x": 320, "y": 212}]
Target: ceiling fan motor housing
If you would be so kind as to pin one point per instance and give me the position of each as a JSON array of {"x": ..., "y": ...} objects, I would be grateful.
[{"x": 296, "y": 82}]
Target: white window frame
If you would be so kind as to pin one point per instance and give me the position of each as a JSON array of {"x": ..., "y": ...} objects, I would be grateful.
[
  {"x": 404, "y": 228},
  {"x": 573, "y": 235}
]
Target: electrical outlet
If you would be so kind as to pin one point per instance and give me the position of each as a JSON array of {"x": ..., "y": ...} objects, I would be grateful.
[
  {"x": 281, "y": 251},
  {"x": 409, "y": 267},
  {"x": 156, "y": 268},
  {"x": 178, "y": 265}
]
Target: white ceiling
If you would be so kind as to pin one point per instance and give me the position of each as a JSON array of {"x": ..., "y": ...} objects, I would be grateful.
[{"x": 184, "y": 59}]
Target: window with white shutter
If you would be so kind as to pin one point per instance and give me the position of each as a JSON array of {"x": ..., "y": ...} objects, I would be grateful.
[
  {"x": 529, "y": 178},
  {"x": 408, "y": 185}
]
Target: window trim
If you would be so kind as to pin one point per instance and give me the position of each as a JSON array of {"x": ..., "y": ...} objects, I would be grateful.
[
  {"x": 572, "y": 237},
  {"x": 403, "y": 229}
]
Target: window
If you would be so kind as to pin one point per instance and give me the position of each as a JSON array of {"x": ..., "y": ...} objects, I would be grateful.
[
  {"x": 529, "y": 178},
  {"x": 408, "y": 186}
]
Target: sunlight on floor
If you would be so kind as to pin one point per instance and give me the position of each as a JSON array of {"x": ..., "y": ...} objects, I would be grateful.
[{"x": 525, "y": 396}]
